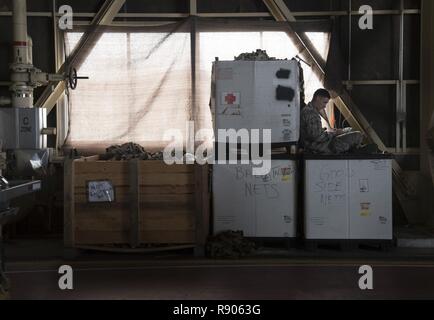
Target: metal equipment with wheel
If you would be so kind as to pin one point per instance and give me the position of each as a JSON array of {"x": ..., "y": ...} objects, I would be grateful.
[{"x": 23, "y": 130}]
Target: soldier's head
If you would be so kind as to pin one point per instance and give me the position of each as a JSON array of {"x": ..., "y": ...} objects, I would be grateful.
[{"x": 320, "y": 99}]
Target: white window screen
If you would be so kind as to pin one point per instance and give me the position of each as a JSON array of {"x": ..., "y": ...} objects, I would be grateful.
[
  {"x": 140, "y": 83},
  {"x": 321, "y": 41}
]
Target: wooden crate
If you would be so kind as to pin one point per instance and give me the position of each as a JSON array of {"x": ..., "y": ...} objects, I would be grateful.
[{"x": 154, "y": 203}]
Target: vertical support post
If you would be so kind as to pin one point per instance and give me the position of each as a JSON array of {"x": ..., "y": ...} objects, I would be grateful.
[
  {"x": 57, "y": 64},
  {"x": 404, "y": 122},
  {"x": 201, "y": 207},
  {"x": 134, "y": 181},
  {"x": 69, "y": 203},
  {"x": 193, "y": 66},
  {"x": 349, "y": 40},
  {"x": 193, "y": 111},
  {"x": 59, "y": 134},
  {"x": 193, "y": 7},
  {"x": 398, "y": 122},
  {"x": 56, "y": 35},
  {"x": 62, "y": 115},
  {"x": 401, "y": 115}
]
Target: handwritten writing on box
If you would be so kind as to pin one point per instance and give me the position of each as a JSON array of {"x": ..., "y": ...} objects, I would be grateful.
[
  {"x": 331, "y": 185},
  {"x": 265, "y": 186}
]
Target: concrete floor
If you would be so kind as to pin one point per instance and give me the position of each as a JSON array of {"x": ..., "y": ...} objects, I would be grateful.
[
  {"x": 229, "y": 282},
  {"x": 271, "y": 274}
]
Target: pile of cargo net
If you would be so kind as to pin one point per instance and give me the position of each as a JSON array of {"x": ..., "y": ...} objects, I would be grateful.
[{"x": 129, "y": 151}]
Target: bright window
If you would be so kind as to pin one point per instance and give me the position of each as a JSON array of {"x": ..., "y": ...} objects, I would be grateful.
[{"x": 140, "y": 83}]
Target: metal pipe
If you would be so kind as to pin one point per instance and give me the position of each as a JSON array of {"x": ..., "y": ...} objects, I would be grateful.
[
  {"x": 22, "y": 94},
  {"x": 29, "y": 49},
  {"x": 19, "y": 16}
]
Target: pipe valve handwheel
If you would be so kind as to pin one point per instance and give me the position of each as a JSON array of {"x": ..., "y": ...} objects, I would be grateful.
[{"x": 73, "y": 78}]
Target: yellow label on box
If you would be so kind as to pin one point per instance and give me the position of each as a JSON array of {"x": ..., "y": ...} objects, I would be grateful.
[{"x": 366, "y": 211}]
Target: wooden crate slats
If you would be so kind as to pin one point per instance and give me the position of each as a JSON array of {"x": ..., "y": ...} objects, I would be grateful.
[
  {"x": 154, "y": 203},
  {"x": 134, "y": 183},
  {"x": 150, "y": 200},
  {"x": 69, "y": 204},
  {"x": 145, "y": 179},
  {"x": 101, "y": 237},
  {"x": 97, "y": 167},
  {"x": 152, "y": 166},
  {"x": 106, "y": 206},
  {"x": 93, "y": 237},
  {"x": 103, "y": 220},
  {"x": 157, "y": 179},
  {"x": 148, "y": 192},
  {"x": 165, "y": 236},
  {"x": 116, "y": 179},
  {"x": 179, "y": 220},
  {"x": 184, "y": 202},
  {"x": 161, "y": 167},
  {"x": 202, "y": 209},
  {"x": 173, "y": 189},
  {"x": 119, "y": 219}
]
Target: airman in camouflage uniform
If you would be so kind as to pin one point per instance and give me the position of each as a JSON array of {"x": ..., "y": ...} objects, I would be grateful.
[{"x": 315, "y": 138}]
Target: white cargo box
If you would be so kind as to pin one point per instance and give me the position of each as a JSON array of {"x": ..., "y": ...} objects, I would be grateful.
[
  {"x": 348, "y": 198},
  {"x": 257, "y": 95},
  {"x": 260, "y": 206}
]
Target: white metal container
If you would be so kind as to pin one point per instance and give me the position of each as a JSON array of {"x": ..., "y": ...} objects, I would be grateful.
[
  {"x": 245, "y": 96},
  {"x": 370, "y": 205},
  {"x": 326, "y": 199},
  {"x": 348, "y": 199},
  {"x": 260, "y": 206}
]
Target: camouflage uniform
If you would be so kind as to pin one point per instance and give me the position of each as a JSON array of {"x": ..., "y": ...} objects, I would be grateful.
[{"x": 315, "y": 139}]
